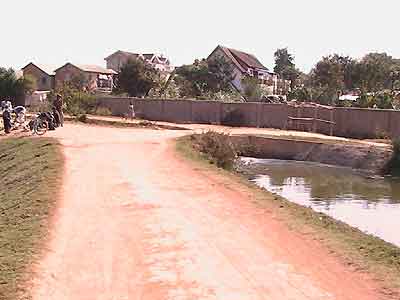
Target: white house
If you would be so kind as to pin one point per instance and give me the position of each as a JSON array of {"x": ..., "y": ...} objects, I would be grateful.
[
  {"x": 246, "y": 64},
  {"x": 119, "y": 58}
]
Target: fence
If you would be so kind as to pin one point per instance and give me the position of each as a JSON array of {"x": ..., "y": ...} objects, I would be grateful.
[{"x": 350, "y": 122}]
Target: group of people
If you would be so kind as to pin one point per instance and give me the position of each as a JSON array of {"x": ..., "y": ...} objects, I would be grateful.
[
  {"x": 7, "y": 109},
  {"x": 55, "y": 118}
]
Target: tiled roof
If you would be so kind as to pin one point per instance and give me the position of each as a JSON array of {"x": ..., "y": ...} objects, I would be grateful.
[
  {"x": 49, "y": 70},
  {"x": 90, "y": 69},
  {"x": 242, "y": 59},
  {"x": 249, "y": 59},
  {"x": 146, "y": 56},
  {"x": 95, "y": 69}
]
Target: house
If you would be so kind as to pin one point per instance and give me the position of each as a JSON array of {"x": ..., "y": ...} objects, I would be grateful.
[
  {"x": 43, "y": 75},
  {"x": 96, "y": 78},
  {"x": 246, "y": 64},
  {"x": 119, "y": 58}
]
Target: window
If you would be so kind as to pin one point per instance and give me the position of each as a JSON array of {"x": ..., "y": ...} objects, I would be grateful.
[{"x": 44, "y": 80}]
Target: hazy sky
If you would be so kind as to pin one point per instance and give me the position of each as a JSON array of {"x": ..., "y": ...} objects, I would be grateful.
[{"x": 53, "y": 32}]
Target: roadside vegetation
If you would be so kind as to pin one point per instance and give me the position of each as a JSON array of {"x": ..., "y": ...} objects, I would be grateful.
[
  {"x": 122, "y": 123},
  {"x": 358, "y": 250},
  {"x": 30, "y": 169},
  {"x": 216, "y": 148},
  {"x": 393, "y": 165},
  {"x": 12, "y": 87}
]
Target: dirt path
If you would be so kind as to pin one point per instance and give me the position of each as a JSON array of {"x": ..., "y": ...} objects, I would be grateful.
[{"x": 136, "y": 222}]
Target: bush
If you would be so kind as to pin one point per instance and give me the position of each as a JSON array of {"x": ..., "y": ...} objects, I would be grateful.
[
  {"x": 217, "y": 147},
  {"x": 76, "y": 102},
  {"x": 82, "y": 118},
  {"x": 393, "y": 165}
]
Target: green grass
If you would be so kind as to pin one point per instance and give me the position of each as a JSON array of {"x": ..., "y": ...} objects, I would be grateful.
[
  {"x": 360, "y": 251},
  {"x": 29, "y": 187}
]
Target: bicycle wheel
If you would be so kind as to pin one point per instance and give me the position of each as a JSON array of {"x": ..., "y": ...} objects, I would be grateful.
[{"x": 40, "y": 127}]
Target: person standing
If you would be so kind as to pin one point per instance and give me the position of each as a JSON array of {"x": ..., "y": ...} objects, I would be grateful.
[
  {"x": 131, "y": 110},
  {"x": 6, "y": 107},
  {"x": 58, "y": 105}
]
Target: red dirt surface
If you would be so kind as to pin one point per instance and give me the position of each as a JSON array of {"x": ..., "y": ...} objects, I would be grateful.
[{"x": 137, "y": 222}]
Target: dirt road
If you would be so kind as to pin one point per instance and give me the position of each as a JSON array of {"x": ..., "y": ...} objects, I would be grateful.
[{"x": 137, "y": 222}]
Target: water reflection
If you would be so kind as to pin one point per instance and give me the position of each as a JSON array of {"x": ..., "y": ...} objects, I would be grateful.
[{"x": 371, "y": 204}]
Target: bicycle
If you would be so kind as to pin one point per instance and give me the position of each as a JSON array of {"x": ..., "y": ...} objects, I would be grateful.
[{"x": 39, "y": 124}]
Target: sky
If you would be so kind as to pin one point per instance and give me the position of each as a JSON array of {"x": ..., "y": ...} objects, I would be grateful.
[{"x": 53, "y": 32}]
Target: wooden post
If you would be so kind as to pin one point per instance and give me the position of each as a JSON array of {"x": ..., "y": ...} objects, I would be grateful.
[
  {"x": 298, "y": 114},
  {"x": 315, "y": 119}
]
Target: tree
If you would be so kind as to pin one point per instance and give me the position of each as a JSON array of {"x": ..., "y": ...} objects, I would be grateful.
[
  {"x": 285, "y": 66},
  {"x": 251, "y": 89},
  {"x": 13, "y": 87},
  {"x": 375, "y": 70},
  {"x": 137, "y": 78},
  {"x": 333, "y": 74},
  {"x": 77, "y": 101},
  {"x": 204, "y": 78},
  {"x": 79, "y": 82}
]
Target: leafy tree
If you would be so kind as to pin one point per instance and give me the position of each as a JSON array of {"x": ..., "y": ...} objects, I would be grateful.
[
  {"x": 285, "y": 66},
  {"x": 137, "y": 78},
  {"x": 333, "y": 74},
  {"x": 13, "y": 87},
  {"x": 79, "y": 82},
  {"x": 374, "y": 71},
  {"x": 251, "y": 89},
  {"x": 300, "y": 93},
  {"x": 204, "y": 78},
  {"x": 76, "y": 101}
]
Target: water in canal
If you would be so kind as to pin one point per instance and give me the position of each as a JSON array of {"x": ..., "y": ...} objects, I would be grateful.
[{"x": 370, "y": 204}]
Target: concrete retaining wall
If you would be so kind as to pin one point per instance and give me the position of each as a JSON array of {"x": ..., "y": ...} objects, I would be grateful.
[
  {"x": 350, "y": 122},
  {"x": 363, "y": 157}
]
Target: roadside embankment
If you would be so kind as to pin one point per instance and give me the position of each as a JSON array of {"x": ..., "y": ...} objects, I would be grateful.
[
  {"x": 30, "y": 169},
  {"x": 360, "y": 252},
  {"x": 123, "y": 123},
  {"x": 362, "y": 156}
]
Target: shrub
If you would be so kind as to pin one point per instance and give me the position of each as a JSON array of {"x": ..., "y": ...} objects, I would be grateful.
[
  {"x": 76, "y": 102},
  {"x": 217, "y": 147},
  {"x": 382, "y": 135},
  {"x": 393, "y": 165},
  {"x": 82, "y": 118}
]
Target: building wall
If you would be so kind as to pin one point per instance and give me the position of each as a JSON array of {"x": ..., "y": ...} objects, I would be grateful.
[
  {"x": 237, "y": 81},
  {"x": 350, "y": 122},
  {"x": 44, "y": 82},
  {"x": 68, "y": 72},
  {"x": 118, "y": 60},
  {"x": 238, "y": 75}
]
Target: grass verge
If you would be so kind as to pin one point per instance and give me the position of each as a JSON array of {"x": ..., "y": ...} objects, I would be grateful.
[
  {"x": 360, "y": 251},
  {"x": 122, "y": 123},
  {"x": 29, "y": 168}
]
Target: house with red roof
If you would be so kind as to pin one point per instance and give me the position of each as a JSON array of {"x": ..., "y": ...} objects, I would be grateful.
[
  {"x": 96, "y": 78},
  {"x": 43, "y": 75},
  {"x": 246, "y": 64}
]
